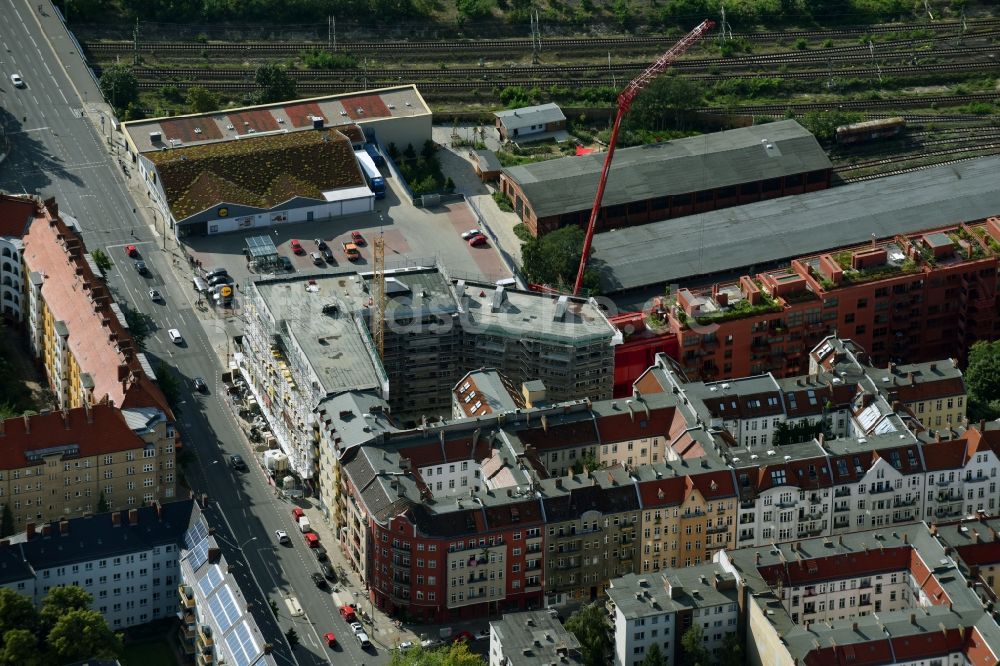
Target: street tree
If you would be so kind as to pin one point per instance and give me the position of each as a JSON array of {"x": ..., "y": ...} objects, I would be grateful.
[
  {"x": 731, "y": 652},
  {"x": 202, "y": 100},
  {"x": 20, "y": 648},
  {"x": 292, "y": 637},
  {"x": 140, "y": 325},
  {"x": 982, "y": 380},
  {"x": 63, "y": 600},
  {"x": 120, "y": 86},
  {"x": 456, "y": 654},
  {"x": 666, "y": 102},
  {"x": 6, "y": 521},
  {"x": 275, "y": 83},
  {"x": 654, "y": 657},
  {"x": 693, "y": 652},
  {"x": 16, "y": 612},
  {"x": 590, "y": 628},
  {"x": 82, "y": 634}
]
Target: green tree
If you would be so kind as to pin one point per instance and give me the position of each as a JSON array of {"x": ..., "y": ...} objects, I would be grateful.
[
  {"x": 82, "y": 634},
  {"x": 202, "y": 100},
  {"x": 448, "y": 655},
  {"x": 103, "y": 506},
  {"x": 553, "y": 259},
  {"x": 653, "y": 656},
  {"x": 589, "y": 626},
  {"x": 17, "y": 612},
  {"x": 6, "y": 522},
  {"x": 168, "y": 383},
  {"x": 63, "y": 600},
  {"x": 693, "y": 652},
  {"x": 134, "y": 111},
  {"x": 102, "y": 259},
  {"x": 472, "y": 9},
  {"x": 428, "y": 150},
  {"x": 665, "y": 103},
  {"x": 292, "y": 637},
  {"x": 120, "y": 86},
  {"x": 20, "y": 648},
  {"x": 140, "y": 325},
  {"x": 731, "y": 652},
  {"x": 982, "y": 380},
  {"x": 824, "y": 124},
  {"x": 275, "y": 83}
]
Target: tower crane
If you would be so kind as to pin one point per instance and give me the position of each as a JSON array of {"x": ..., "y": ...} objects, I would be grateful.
[{"x": 625, "y": 99}]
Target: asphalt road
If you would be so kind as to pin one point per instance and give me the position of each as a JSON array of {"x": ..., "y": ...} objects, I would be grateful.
[{"x": 57, "y": 151}]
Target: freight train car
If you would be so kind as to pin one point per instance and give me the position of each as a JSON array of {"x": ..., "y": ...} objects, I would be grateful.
[{"x": 870, "y": 130}]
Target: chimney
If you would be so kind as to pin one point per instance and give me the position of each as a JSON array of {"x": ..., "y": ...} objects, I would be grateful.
[
  {"x": 854, "y": 626},
  {"x": 46, "y": 530},
  {"x": 27, "y": 424},
  {"x": 133, "y": 517},
  {"x": 159, "y": 511},
  {"x": 63, "y": 527},
  {"x": 90, "y": 412},
  {"x": 913, "y": 619},
  {"x": 116, "y": 518},
  {"x": 29, "y": 529},
  {"x": 975, "y": 536},
  {"x": 65, "y": 415},
  {"x": 213, "y": 555}
]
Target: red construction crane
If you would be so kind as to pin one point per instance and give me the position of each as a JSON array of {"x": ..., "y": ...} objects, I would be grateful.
[{"x": 625, "y": 99}]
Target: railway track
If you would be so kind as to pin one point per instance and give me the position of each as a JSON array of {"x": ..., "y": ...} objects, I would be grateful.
[
  {"x": 584, "y": 71},
  {"x": 490, "y": 45},
  {"x": 909, "y": 158},
  {"x": 921, "y": 167}
]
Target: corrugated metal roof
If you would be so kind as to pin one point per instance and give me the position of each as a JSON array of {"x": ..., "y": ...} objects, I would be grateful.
[
  {"x": 686, "y": 165},
  {"x": 530, "y": 115},
  {"x": 769, "y": 231}
]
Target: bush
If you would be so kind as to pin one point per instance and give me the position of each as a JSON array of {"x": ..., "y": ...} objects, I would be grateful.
[
  {"x": 503, "y": 203},
  {"x": 323, "y": 59}
]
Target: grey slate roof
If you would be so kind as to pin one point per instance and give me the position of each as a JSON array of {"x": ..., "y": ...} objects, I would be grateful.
[
  {"x": 770, "y": 231},
  {"x": 488, "y": 161},
  {"x": 527, "y": 116},
  {"x": 535, "y": 638},
  {"x": 672, "y": 167}
]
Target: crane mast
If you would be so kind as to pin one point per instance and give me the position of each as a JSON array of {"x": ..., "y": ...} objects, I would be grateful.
[{"x": 625, "y": 99}]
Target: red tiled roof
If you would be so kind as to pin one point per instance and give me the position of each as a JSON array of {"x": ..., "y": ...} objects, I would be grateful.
[
  {"x": 562, "y": 435},
  {"x": 977, "y": 650},
  {"x": 662, "y": 492},
  {"x": 856, "y": 654},
  {"x": 107, "y": 432},
  {"x": 923, "y": 389},
  {"x": 743, "y": 407},
  {"x": 946, "y": 455},
  {"x": 89, "y": 339},
  {"x": 902, "y": 454},
  {"x": 849, "y": 472},
  {"x": 302, "y": 114},
  {"x": 714, "y": 485},
  {"x": 259, "y": 120},
  {"x": 15, "y": 215},
  {"x": 432, "y": 452},
  {"x": 928, "y": 645},
  {"x": 831, "y": 567},
  {"x": 648, "y": 382},
  {"x": 184, "y": 129},
  {"x": 621, "y": 427},
  {"x": 980, "y": 554},
  {"x": 797, "y": 474}
]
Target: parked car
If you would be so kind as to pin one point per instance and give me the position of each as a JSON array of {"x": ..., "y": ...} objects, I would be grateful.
[
  {"x": 358, "y": 238},
  {"x": 347, "y": 613},
  {"x": 320, "y": 553},
  {"x": 215, "y": 272},
  {"x": 321, "y": 244},
  {"x": 131, "y": 250},
  {"x": 318, "y": 580},
  {"x": 17, "y": 80},
  {"x": 220, "y": 280},
  {"x": 329, "y": 639},
  {"x": 286, "y": 263},
  {"x": 199, "y": 385},
  {"x": 282, "y": 536},
  {"x": 236, "y": 462},
  {"x": 318, "y": 259},
  {"x": 429, "y": 643},
  {"x": 363, "y": 640},
  {"x": 470, "y": 233},
  {"x": 327, "y": 571},
  {"x": 405, "y": 645},
  {"x": 297, "y": 247},
  {"x": 477, "y": 241},
  {"x": 155, "y": 296},
  {"x": 312, "y": 539},
  {"x": 357, "y": 628},
  {"x": 328, "y": 256},
  {"x": 297, "y": 513}
]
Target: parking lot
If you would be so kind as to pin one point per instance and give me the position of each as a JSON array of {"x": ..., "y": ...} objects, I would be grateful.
[{"x": 412, "y": 235}]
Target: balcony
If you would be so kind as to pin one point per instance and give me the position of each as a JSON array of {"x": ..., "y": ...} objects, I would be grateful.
[
  {"x": 205, "y": 636},
  {"x": 746, "y": 536},
  {"x": 816, "y": 531},
  {"x": 841, "y": 507},
  {"x": 186, "y": 595},
  {"x": 785, "y": 504},
  {"x": 879, "y": 488},
  {"x": 713, "y": 529},
  {"x": 842, "y": 492},
  {"x": 976, "y": 479},
  {"x": 949, "y": 496},
  {"x": 902, "y": 501},
  {"x": 205, "y": 658},
  {"x": 839, "y": 524}
]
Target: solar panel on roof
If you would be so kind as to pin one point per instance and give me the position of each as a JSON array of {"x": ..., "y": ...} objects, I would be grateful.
[
  {"x": 211, "y": 580},
  {"x": 224, "y": 608},
  {"x": 242, "y": 646},
  {"x": 198, "y": 555},
  {"x": 195, "y": 533}
]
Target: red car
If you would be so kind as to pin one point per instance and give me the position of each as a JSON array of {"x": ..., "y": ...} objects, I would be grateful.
[
  {"x": 132, "y": 251},
  {"x": 297, "y": 247},
  {"x": 347, "y": 613},
  {"x": 312, "y": 539},
  {"x": 329, "y": 639},
  {"x": 477, "y": 240},
  {"x": 297, "y": 513},
  {"x": 357, "y": 238}
]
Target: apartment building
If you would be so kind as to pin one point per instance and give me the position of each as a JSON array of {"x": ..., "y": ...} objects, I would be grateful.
[
  {"x": 889, "y": 596},
  {"x": 976, "y": 547},
  {"x": 916, "y": 297},
  {"x": 126, "y": 560},
  {"x": 436, "y": 330},
  {"x": 534, "y": 638},
  {"x": 64, "y": 464},
  {"x": 661, "y": 606},
  {"x": 592, "y": 521},
  {"x": 16, "y": 214},
  {"x": 217, "y": 624}
]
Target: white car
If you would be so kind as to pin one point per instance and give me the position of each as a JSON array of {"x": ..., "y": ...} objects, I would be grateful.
[
  {"x": 282, "y": 536},
  {"x": 405, "y": 645},
  {"x": 175, "y": 336},
  {"x": 154, "y": 295},
  {"x": 17, "y": 80},
  {"x": 428, "y": 643},
  {"x": 357, "y": 628},
  {"x": 466, "y": 235}
]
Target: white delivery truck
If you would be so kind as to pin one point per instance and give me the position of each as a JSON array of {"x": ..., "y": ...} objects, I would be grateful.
[{"x": 304, "y": 524}]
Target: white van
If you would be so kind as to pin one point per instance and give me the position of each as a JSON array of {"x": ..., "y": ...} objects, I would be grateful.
[
  {"x": 175, "y": 336},
  {"x": 304, "y": 524}
]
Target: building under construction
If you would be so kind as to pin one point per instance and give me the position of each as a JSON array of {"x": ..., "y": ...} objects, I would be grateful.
[{"x": 308, "y": 347}]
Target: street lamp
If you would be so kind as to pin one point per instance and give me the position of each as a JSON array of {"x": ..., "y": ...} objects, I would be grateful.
[{"x": 163, "y": 226}]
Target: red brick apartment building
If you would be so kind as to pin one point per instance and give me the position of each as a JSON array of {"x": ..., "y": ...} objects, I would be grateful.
[{"x": 910, "y": 298}]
